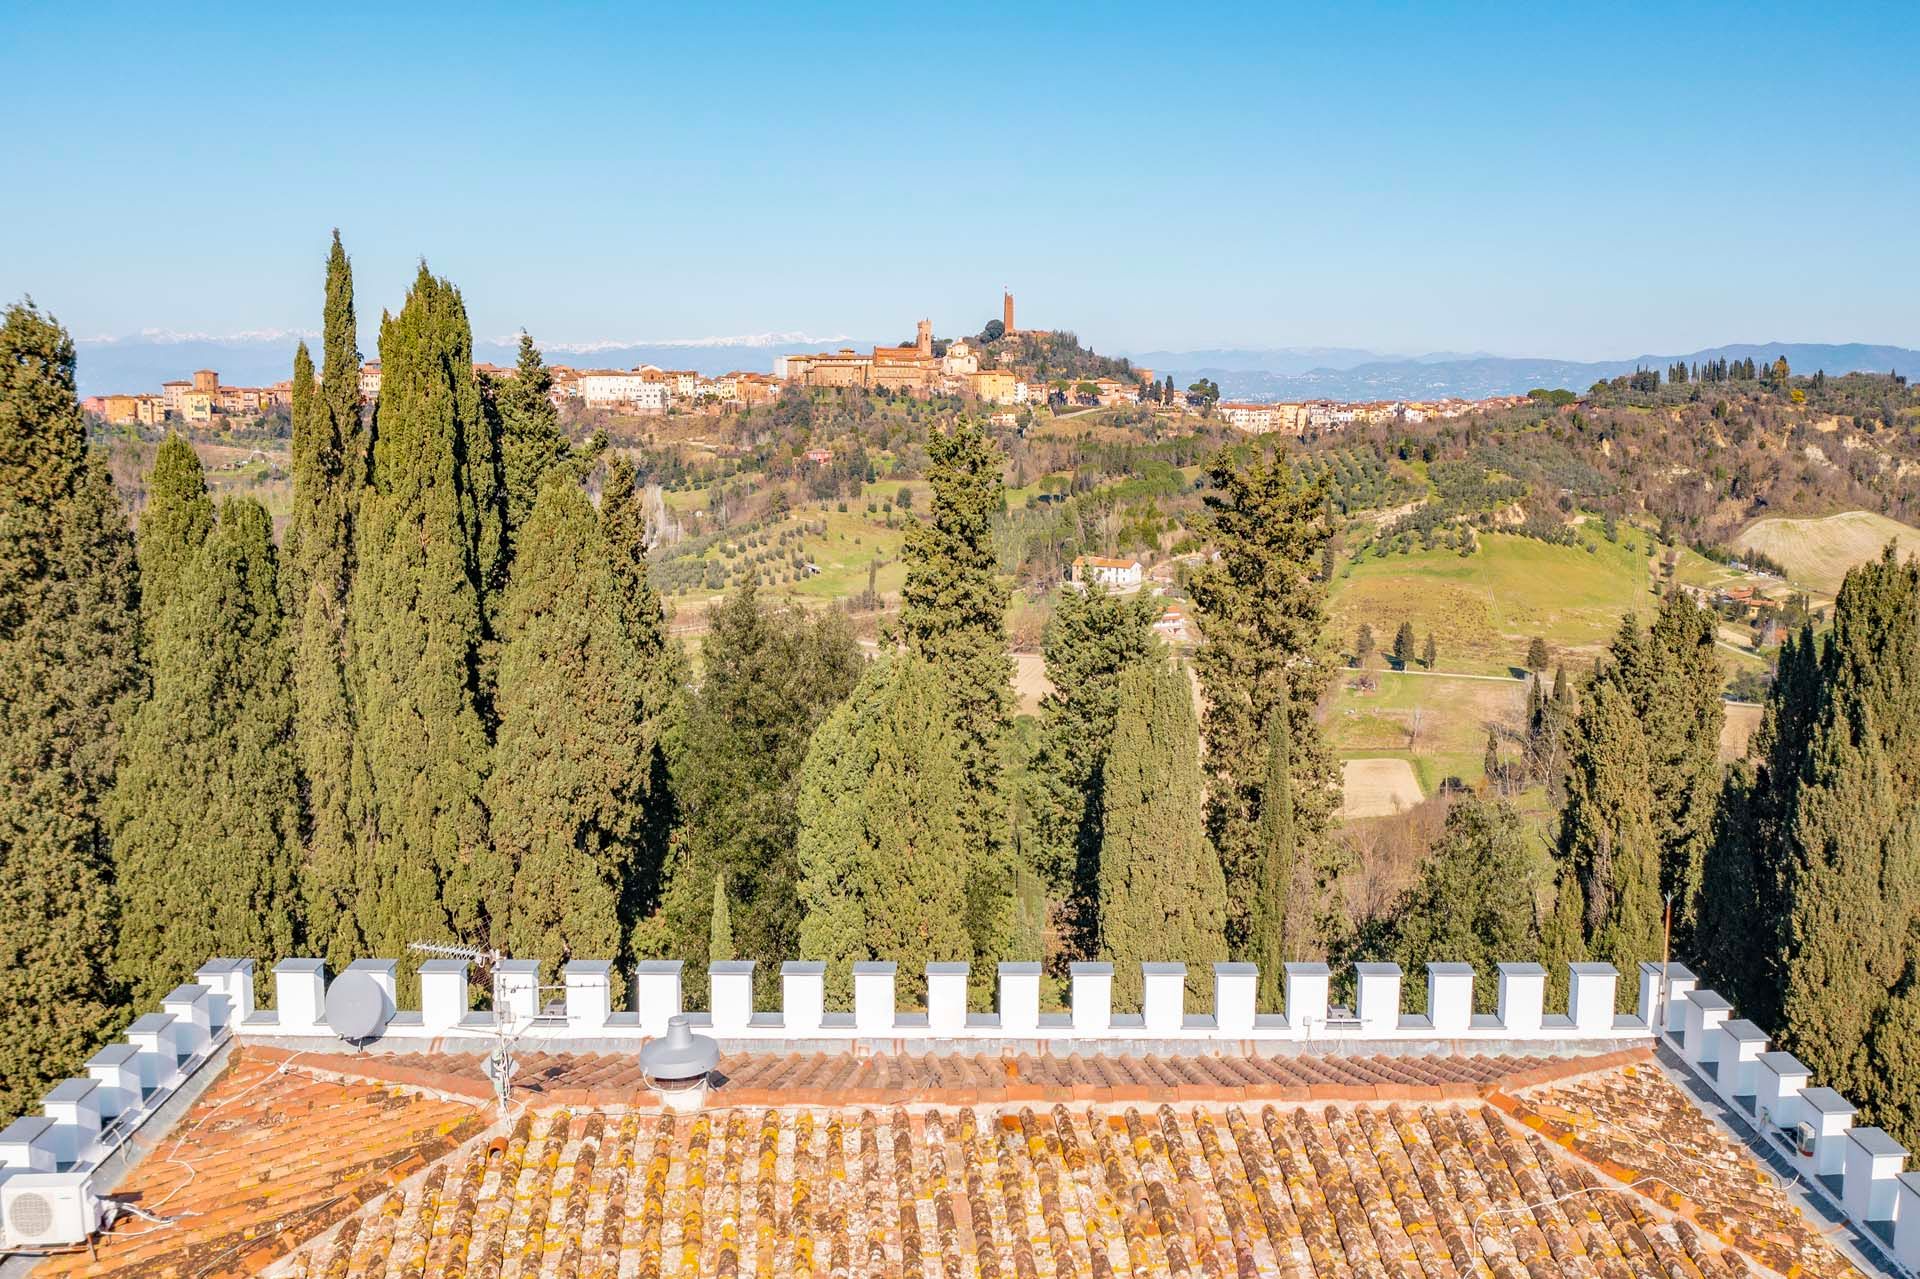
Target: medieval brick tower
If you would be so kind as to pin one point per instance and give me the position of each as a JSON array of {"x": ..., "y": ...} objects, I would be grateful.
[
  {"x": 1006, "y": 312},
  {"x": 923, "y": 339}
]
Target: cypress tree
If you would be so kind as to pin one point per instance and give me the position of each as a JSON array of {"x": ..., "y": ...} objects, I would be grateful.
[
  {"x": 663, "y": 665},
  {"x": 1162, "y": 894},
  {"x": 427, "y": 538},
  {"x": 1853, "y": 881},
  {"x": 1430, "y": 654},
  {"x": 882, "y": 847},
  {"x": 329, "y": 468},
  {"x": 1092, "y": 639},
  {"x": 1607, "y": 831},
  {"x": 205, "y": 812},
  {"x": 69, "y": 671},
  {"x": 531, "y": 442},
  {"x": 953, "y": 614},
  {"x": 1680, "y": 708},
  {"x": 1271, "y": 924},
  {"x": 567, "y": 787},
  {"x": 173, "y": 524},
  {"x": 1264, "y": 617},
  {"x": 1403, "y": 643},
  {"x": 720, "y": 930}
]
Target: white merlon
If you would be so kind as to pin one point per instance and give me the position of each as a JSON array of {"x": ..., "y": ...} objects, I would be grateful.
[
  {"x": 1830, "y": 1115},
  {"x": 656, "y": 993},
  {"x": 873, "y": 1004},
  {"x": 516, "y": 991},
  {"x": 730, "y": 983},
  {"x": 1450, "y": 998},
  {"x": 1738, "y": 1057},
  {"x": 1523, "y": 998},
  {"x": 1092, "y": 997},
  {"x": 1236, "y": 990},
  {"x": 1377, "y": 997},
  {"x": 1906, "y": 1223},
  {"x": 589, "y": 984},
  {"x": 947, "y": 997},
  {"x": 1702, "y": 1011},
  {"x": 1591, "y": 992},
  {"x": 1870, "y": 1189},
  {"x": 803, "y": 994},
  {"x": 300, "y": 989},
  {"x": 1019, "y": 998},
  {"x": 443, "y": 994},
  {"x": 1680, "y": 984},
  {"x": 1163, "y": 998}
]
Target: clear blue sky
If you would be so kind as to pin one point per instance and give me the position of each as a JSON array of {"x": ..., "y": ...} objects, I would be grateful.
[{"x": 1521, "y": 180}]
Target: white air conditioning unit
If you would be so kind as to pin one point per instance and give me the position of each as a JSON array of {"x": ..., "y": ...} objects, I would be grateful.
[{"x": 46, "y": 1210}]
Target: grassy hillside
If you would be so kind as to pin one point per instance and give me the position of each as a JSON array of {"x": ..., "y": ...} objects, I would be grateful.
[
  {"x": 1817, "y": 553},
  {"x": 1483, "y": 609}
]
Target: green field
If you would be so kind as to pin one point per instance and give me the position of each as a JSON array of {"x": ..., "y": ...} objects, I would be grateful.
[
  {"x": 1438, "y": 724},
  {"x": 1482, "y": 609}
]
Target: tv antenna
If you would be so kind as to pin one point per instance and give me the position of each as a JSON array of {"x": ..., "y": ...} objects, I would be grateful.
[{"x": 500, "y": 1065}]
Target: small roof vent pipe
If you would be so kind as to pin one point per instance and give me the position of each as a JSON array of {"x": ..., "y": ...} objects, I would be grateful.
[{"x": 677, "y": 1065}]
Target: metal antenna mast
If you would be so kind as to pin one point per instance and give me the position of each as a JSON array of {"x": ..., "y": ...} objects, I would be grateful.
[{"x": 500, "y": 1065}]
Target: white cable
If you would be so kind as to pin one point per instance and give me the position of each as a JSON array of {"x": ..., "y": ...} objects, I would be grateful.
[{"x": 1574, "y": 1194}]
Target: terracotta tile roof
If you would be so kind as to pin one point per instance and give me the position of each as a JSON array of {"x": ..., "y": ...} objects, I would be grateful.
[
  {"x": 830, "y": 1079},
  {"x": 318, "y": 1177}
]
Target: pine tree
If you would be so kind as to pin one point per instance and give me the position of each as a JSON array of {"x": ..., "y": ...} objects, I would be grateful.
[
  {"x": 1162, "y": 893},
  {"x": 1403, "y": 645},
  {"x": 427, "y": 534},
  {"x": 771, "y": 676},
  {"x": 567, "y": 790},
  {"x": 1608, "y": 831},
  {"x": 69, "y": 673},
  {"x": 720, "y": 929},
  {"x": 1092, "y": 639},
  {"x": 1852, "y": 887},
  {"x": 1264, "y": 618},
  {"x": 953, "y": 614},
  {"x": 882, "y": 846},
  {"x": 1271, "y": 926},
  {"x": 329, "y": 468},
  {"x": 1475, "y": 899},
  {"x": 1362, "y": 644},
  {"x": 205, "y": 812},
  {"x": 173, "y": 524},
  {"x": 1537, "y": 656},
  {"x": 531, "y": 442}
]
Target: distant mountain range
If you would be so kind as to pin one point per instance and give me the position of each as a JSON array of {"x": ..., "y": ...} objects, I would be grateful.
[
  {"x": 143, "y": 362},
  {"x": 1339, "y": 373}
]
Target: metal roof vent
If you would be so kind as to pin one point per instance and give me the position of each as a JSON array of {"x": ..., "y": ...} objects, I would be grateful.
[{"x": 677, "y": 1065}]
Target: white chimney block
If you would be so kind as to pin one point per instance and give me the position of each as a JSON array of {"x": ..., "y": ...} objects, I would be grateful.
[
  {"x": 1306, "y": 995},
  {"x": 192, "y": 1018},
  {"x": 26, "y": 1144},
  {"x": 1646, "y": 1004},
  {"x": 233, "y": 979},
  {"x": 516, "y": 991},
  {"x": 1906, "y": 1223},
  {"x": 1450, "y": 998},
  {"x": 1870, "y": 1186},
  {"x": 730, "y": 983},
  {"x": 116, "y": 1068},
  {"x": 589, "y": 985},
  {"x": 158, "y": 1059},
  {"x": 74, "y": 1107},
  {"x": 443, "y": 994},
  {"x": 1705, "y": 1011},
  {"x": 1779, "y": 1079},
  {"x": 213, "y": 975},
  {"x": 656, "y": 993},
  {"x": 1741, "y": 1043},
  {"x": 1163, "y": 997},
  {"x": 873, "y": 999},
  {"x": 947, "y": 996},
  {"x": 300, "y": 991},
  {"x": 1377, "y": 997},
  {"x": 1235, "y": 988},
  {"x": 1591, "y": 989},
  {"x": 1831, "y": 1115},
  {"x": 1680, "y": 984},
  {"x": 1019, "y": 998},
  {"x": 1523, "y": 998},
  {"x": 803, "y": 995},
  {"x": 385, "y": 973},
  {"x": 1092, "y": 996}
]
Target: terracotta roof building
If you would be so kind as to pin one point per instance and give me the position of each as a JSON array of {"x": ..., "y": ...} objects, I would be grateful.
[{"x": 940, "y": 1143}]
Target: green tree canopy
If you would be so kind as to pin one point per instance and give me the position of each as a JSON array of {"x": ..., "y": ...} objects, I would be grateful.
[{"x": 173, "y": 524}]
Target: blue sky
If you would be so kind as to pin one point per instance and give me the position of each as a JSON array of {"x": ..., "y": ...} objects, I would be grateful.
[{"x": 1523, "y": 180}]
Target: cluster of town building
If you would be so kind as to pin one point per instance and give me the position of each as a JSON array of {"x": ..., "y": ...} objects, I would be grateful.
[{"x": 1316, "y": 417}]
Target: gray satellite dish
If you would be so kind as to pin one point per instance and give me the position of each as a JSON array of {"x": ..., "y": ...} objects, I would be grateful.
[
  {"x": 679, "y": 1054},
  {"x": 357, "y": 1007}
]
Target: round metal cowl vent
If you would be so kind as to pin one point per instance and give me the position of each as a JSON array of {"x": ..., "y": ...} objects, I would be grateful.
[{"x": 679, "y": 1056}]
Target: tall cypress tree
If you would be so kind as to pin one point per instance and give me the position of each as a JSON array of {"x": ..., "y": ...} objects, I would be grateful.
[
  {"x": 720, "y": 923},
  {"x": 1263, "y": 613},
  {"x": 69, "y": 672},
  {"x": 329, "y": 469},
  {"x": 1608, "y": 831},
  {"x": 953, "y": 614},
  {"x": 1162, "y": 894},
  {"x": 427, "y": 537},
  {"x": 1853, "y": 882},
  {"x": 567, "y": 792},
  {"x": 1092, "y": 639},
  {"x": 663, "y": 664},
  {"x": 173, "y": 524},
  {"x": 531, "y": 442},
  {"x": 1677, "y": 698},
  {"x": 1270, "y": 914},
  {"x": 882, "y": 844},
  {"x": 205, "y": 812}
]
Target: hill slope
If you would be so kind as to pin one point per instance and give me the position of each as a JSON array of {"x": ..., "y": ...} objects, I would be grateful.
[{"x": 1818, "y": 553}]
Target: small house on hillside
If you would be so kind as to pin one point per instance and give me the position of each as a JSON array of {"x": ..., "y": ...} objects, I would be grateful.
[{"x": 1102, "y": 570}]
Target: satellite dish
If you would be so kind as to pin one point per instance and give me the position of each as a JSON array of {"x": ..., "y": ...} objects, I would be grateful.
[{"x": 357, "y": 1007}]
